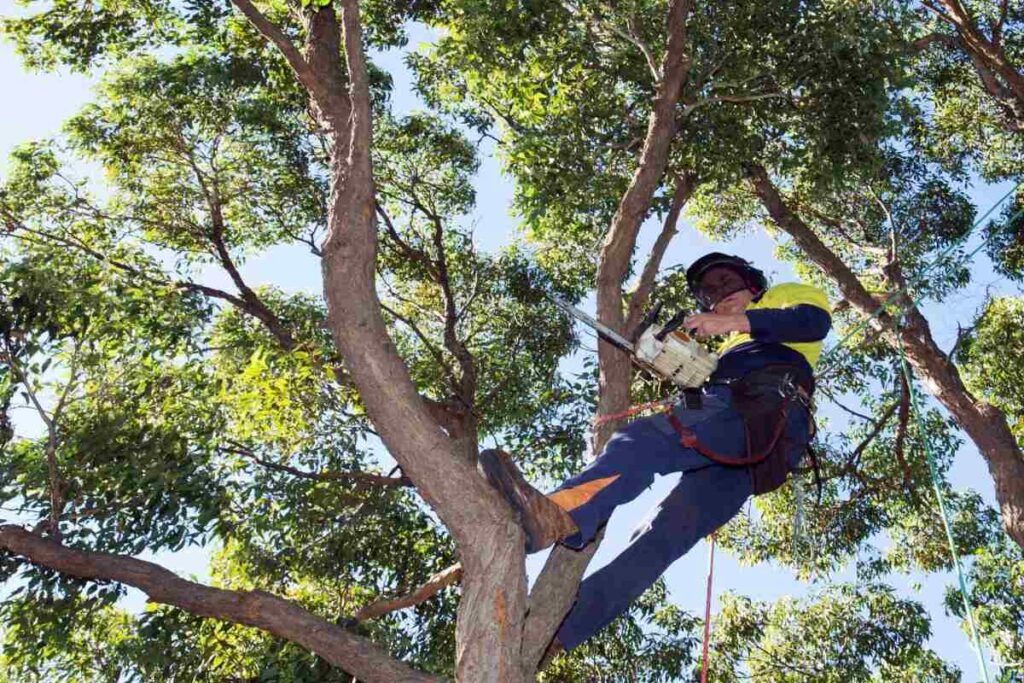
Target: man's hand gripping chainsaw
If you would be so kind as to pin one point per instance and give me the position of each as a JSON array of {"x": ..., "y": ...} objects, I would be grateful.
[{"x": 666, "y": 351}]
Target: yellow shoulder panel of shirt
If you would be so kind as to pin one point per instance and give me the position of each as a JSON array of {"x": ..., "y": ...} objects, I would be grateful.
[{"x": 789, "y": 294}]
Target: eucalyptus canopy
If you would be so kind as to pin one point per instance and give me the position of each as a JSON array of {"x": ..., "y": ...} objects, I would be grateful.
[{"x": 324, "y": 447}]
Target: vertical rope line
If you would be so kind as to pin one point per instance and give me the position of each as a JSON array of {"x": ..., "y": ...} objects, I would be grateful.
[
  {"x": 934, "y": 472},
  {"x": 798, "y": 516},
  {"x": 707, "y": 609}
]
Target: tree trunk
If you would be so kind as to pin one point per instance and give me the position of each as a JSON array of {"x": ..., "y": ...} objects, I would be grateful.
[
  {"x": 984, "y": 423},
  {"x": 556, "y": 587},
  {"x": 490, "y": 542}
]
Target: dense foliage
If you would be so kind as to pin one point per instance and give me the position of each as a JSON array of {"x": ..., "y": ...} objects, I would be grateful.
[{"x": 173, "y": 404}]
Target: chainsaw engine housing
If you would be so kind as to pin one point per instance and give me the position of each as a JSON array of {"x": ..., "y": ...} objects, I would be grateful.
[{"x": 677, "y": 358}]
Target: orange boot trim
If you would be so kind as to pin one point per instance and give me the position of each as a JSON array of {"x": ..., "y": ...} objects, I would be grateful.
[{"x": 570, "y": 499}]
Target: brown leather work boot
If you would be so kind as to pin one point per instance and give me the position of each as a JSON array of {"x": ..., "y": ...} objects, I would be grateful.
[{"x": 543, "y": 521}]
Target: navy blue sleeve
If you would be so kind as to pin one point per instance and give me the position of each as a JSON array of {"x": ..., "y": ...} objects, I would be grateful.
[{"x": 803, "y": 323}]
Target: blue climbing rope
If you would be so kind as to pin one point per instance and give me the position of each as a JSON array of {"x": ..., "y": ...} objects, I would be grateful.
[
  {"x": 964, "y": 585},
  {"x": 933, "y": 471}
]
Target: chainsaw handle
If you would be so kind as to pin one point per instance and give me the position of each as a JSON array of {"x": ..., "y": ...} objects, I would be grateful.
[
  {"x": 649, "y": 319},
  {"x": 671, "y": 325}
]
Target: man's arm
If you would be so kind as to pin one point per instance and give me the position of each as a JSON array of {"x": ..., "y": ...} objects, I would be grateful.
[
  {"x": 799, "y": 323},
  {"x": 800, "y": 314},
  {"x": 713, "y": 324},
  {"x": 793, "y": 312}
]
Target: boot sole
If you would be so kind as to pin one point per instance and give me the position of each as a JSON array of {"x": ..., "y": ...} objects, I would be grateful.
[{"x": 499, "y": 476}]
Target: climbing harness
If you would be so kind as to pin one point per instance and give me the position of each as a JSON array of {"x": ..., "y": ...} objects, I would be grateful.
[
  {"x": 763, "y": 398},
  {"x": 753, "y": 457}
]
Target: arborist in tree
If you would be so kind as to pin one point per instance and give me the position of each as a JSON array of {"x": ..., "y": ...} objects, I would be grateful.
[{"x": 740, "y": 433}]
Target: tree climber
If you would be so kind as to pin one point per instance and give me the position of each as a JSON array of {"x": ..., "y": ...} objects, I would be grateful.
[{"x": 741, "y": 433}]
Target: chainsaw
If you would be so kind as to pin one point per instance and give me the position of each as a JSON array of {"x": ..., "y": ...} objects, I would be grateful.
[{"x": 666, "y": 352}]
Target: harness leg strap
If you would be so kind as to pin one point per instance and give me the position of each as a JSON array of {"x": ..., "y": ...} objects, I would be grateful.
[{"x": 689, "y": 439}]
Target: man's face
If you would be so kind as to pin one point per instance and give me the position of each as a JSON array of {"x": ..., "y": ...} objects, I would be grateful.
[{"x": 725, "y": 290}]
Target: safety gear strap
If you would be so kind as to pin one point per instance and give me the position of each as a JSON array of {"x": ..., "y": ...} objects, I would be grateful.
[{"x": 689, "y": 439}]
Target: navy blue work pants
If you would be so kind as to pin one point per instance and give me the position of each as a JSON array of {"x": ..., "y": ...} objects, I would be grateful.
[{"x": 707, "y": 496}]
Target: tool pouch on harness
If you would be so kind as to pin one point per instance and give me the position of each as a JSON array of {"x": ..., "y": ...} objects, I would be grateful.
[{"x": 765, "y": 398}]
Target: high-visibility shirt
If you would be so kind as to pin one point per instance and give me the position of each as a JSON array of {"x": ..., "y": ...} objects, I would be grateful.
[{"x": 787, "y": 325}]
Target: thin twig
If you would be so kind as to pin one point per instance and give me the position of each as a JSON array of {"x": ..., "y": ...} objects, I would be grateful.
[
  {"x": 363, "y": 478},
  {"x": 854, "y": 459},
  {"x": 832, "y": 398}
]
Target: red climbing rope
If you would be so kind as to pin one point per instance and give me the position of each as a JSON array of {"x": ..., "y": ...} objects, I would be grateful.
[
  {"x": 633, "y": 410},
  {"x": 707, "y": 609}
]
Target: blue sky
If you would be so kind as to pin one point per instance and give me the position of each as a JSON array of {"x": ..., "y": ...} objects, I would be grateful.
[{"x": 44, "y": 101}]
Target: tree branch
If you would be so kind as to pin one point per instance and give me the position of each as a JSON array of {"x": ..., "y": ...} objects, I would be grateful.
[
  {"x": 684, "y": 188},
  {"x": 50, "y": 421},
  {"x": 410, "y": 252},
  {"x": 360, "y": 478},
  {"x": 252, "y": 303},
  {"x": 989, "y": 59},
  {"x": 620, "y": 242},
  {"x": 816, "y": 250},
  {"x": 596, "y": 32},
  {"x": 926, "y": 41},
  {"x": 846, "y": 408},
  {"x": 555, "y": 588},
  {"x": 13, "y": 227},
  {"x": 997, "y": 30},
  {"x": 838, "y": 226},
  {"x": 464, "y": 386},
  {"x": 277, "y": 616},
  {"x": 733, "y": 99},
  {"x": 645, "y": 50},
  {"x": 213, "y": 292},
  {"x": 434, "y": 585},
  {"x": 274, "y": 34},
  {"x": 360, "y": 130},
  {"x": 467, "y": 364},
  {"x": 938, "y": 12},
  {"x": 879, "y": 425}
]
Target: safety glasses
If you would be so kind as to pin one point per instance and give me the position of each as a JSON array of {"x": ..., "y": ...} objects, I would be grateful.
[{"x": 716, "y": 284}]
